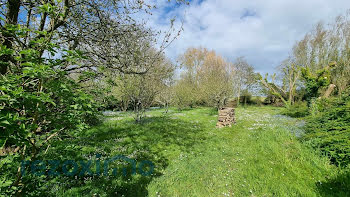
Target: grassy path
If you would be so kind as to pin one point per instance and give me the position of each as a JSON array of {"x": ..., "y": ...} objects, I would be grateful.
[{"x": 259, "y": 156}]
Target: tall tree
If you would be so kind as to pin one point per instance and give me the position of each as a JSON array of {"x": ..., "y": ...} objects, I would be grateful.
[
  {"x": 141, "y": 91},
  {"x": 215, "y": 80},
  {"x": 290, "y": 77},
  {"x": 244, "y": 76},
  {"x": 207, "y": 78}
]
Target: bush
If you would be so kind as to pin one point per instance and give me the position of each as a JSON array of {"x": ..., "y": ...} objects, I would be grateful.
[
  {"x": 329, "y": 129},
  {"x": 256, "y": 100},
  {"x": 246, "y": 98},
  {"x": 297, "y": 110},
  {"x": 322, "y": 105}
]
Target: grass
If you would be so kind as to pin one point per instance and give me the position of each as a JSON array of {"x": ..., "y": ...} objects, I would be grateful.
[{"x": 259, "y": 156}]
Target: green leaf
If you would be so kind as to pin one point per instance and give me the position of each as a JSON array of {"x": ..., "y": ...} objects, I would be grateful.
[
  {"x": 2, "y": 143},
  {"x": 30, "y": 64},
  {"x": 6, "y": 184},
  {"x": 5, "y": 122}
]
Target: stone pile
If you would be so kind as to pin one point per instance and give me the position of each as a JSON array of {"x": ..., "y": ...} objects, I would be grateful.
[{"x": 226, "y": 117}]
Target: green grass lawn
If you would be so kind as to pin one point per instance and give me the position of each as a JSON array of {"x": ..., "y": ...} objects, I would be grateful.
[{"x": 259, "y": 156}]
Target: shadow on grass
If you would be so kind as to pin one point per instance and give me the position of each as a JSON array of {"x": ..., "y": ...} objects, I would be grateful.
[
  {"x": 158, "y": 139},
  {"x": 338, "y": 186}
]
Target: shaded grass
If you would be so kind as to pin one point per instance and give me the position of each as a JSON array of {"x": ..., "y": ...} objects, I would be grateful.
[
  {"x": 159, "y": 139},
  {"x": 259, "y": 156}
]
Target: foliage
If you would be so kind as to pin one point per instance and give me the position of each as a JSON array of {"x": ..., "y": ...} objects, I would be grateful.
[
  {"x": 256, "y": 100},
  {"x": 244, "y": 78},
  {"x": 246, "y": 97},
  {"x": 324, "y": 45},
  {"x": 187, "y": 88},
  {"x": 185, "y": 95},
  {"x": 207, "y": 79},
  {"x": 274, "y": 91},
  {"x": 51, "y": 54},
  {"x": 38, "y": 102},
  {"x": 329, "y": 129},
  {"x": 215, "y": 80},
  {"x": 318, "y": 61},
  {"x": 291, "y": 78},
  {"x": 314, "y": 83},
  {"x": 105, "y": 31},
  {"x": 139, "y": 92},
  {"x": 298, "y": 110},
  {"x": 322, "y": 57}
]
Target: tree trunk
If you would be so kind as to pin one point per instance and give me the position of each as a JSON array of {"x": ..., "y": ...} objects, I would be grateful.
[
  {"x": 238, "y": 96},
  {"x": 329, "y": 90},
  {"x": 11, "y": 18},
  {"x": 124, "y": 105},
  {"x": 166, "y": 107}
]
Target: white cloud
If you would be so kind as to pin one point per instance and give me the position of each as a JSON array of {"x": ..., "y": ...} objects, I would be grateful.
[{"x": 263, "y": 31}]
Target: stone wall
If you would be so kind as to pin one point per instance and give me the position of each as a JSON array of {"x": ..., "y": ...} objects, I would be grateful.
[{"x": 226, "y": 117}]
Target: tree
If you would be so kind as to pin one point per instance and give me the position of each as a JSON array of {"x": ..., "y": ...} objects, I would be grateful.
[
  {"x": 290, "y": 72},
  {"x": 316, "y": 84},
  {"x": 244, "y": 77},
  {"x": 38, "y": 102},
  {"x": 274, "y": 89},
  {"x": 324, "y": 45},
  {"x": 46, "y": 47},
  {"x": 186, "y": 88},
  {"x": 215, "y": 80},
  {"x": 313, "y": 58},
  {"x": 166, "y": 95},
  {"x": 140, "y": 91},
  {"x": 206, "y": 79},
  {"x": 104, "y": 30}
]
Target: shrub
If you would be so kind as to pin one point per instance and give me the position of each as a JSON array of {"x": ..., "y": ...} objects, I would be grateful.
[
  {"x": 256, "y": 100},
  {"x": 297, "y": 110},
  {"x": 322, "y": 105},
  {"x": 246, "y": 98},
  {"x": 329, "y": 129}
]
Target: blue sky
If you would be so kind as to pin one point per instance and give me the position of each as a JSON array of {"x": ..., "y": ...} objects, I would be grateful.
[{"x": 264, "y": 31}]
